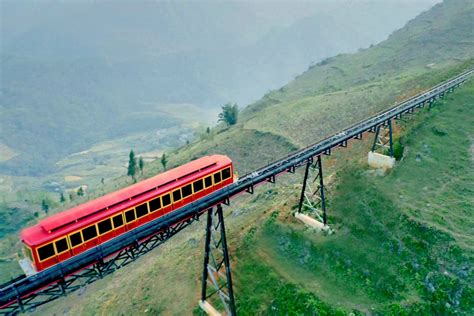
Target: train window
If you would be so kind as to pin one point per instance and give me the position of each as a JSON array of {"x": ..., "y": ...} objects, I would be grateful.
[
  {"x": 155, "y": 204},
  {"x": 75, "y": 239},
  {"x": 89, "y": 233},
  {"x": 130, "y": 215},
  {"x": 104, "y": 226},
  {"x": 142, "y": 210},
  {"x": 217, "y": 177},
  {"x": 176, "y": 195},
  {"x": 208, "y": 182},
  {"x": 118, "y": 220},
  {"x": 61, "y": 245},
  {"x": 198, "y": 185},
  {"x": 226, "y": 174},
  {"x": 166, "y": 199},
  {"x": 187, "y": 190},
  {"x": 46, "y": 251}
]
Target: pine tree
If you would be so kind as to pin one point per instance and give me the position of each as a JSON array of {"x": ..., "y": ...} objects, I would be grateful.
[
  {"x": 229, "y": 114},
  {"x": 102, "y": 181},
  {"x": 44, "y": 206},
  {"x": 62, "y": 199},
  {"x": 164, "y": 161},
  {"x": 132, "y": 165},
  {"x": 80, "y": 192},
  {"x": 141, "y": 164}
]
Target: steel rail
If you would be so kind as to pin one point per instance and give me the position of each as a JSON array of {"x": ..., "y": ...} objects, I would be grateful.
[{"x": 22, "y": 288}]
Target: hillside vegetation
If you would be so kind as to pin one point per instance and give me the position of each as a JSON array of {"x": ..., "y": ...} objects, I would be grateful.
[
  {"x": 124, "y": 106},
  {"x": 403, "y": 242},
  {"x": 345, "y": 89},
  {"x": 78, "y": 73}
]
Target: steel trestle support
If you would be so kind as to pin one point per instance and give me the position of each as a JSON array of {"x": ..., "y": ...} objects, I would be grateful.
[
  {"x": 26, "y": 293},
  {"x": 313, "y": 199},
  {"x": 216, "y": 259},
  {"x": 383, "y": 139}
]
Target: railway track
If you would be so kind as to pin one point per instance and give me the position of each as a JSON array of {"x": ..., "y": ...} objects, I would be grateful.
[{"x": 26, "y": 293}]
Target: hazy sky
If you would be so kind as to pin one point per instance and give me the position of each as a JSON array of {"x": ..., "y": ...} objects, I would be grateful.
[{"x": 20, "y": 15}]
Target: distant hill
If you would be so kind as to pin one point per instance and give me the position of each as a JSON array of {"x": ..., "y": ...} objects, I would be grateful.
[
  {"x": 77, "y": 73},
  {"x": 403, "y": 242},
  {"x": 342, "y": 90}
]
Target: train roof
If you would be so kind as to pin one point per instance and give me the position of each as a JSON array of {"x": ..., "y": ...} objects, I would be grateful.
[{"x": 56, "y": 223}]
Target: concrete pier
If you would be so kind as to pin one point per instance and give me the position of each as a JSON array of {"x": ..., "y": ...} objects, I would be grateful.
[
  {"x": 377, "y": 160},
  {"x": 208, "y": 308},
  {"x": 311, "y": 222}
]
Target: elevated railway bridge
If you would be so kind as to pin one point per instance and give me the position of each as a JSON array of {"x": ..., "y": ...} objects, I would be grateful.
[{"x": 25, "y": 293}]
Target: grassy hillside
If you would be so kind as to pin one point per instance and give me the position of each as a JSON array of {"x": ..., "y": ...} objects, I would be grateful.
[
  {"x": 402, "y": 217},
  {"x": 402, "y": 246},
  {"x": 403, "y": 242},
  {"x": 345, "y": 89},
  {"x": 67, "y": 85}
]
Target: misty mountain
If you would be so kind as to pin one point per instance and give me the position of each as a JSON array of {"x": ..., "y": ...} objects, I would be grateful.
[{"x": 76, "y": 73}]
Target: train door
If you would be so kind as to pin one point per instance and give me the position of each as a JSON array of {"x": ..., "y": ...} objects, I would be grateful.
[
  {"x": 155, "y": 208},
  {"x": 76, "y": 242},
  {"x": 166, "y": 203},
  {"x": 62, "y": 249},
  {"x": 208, "y": 183},
  {"x": 105, "y": 228},
  {"x": 198, "y": 189},
  {"x": 46, "y": 255},
  {"x": 90, "y": 236},
  {"x": 187, "y": 193},
  {"x": 217, "y": 179},
  {"x": 130, "y": 219},
  {"x": 177, "y": 198},
  {"x": 118, "y": 223}
]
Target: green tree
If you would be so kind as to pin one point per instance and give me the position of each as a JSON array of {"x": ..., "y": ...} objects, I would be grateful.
[
  {"x": 62, "y": 199},
  {"x": 80, "y": 191},
  {"x": 208, "y": 130},
  {"x": 132, "y": 165},
  {"x": 164, "y": 161},
  {"x": 44, "y": 206},
  {"x": 102, "y": 181},
  {"x": 141, "y": 164},
  {"x": 71, "y": 196},
  {"x": 229, "y": 114}
]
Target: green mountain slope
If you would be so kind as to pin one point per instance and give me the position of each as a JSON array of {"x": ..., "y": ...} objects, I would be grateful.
[
  {"x": 347, "y": 88},
  {"x": 402, "y": 246},
  {"x": 78, "y": 73},
  {"x": 403, "y": 243}
]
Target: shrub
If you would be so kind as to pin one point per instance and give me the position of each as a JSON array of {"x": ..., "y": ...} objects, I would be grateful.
[{"x": 398, "y": 149}]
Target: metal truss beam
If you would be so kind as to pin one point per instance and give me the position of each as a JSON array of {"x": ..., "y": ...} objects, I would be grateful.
[
  {"x": 216, "y": 270},
  {"x": 383, "y": 138},
  {"x": 312, "y": 198},
  {"x": 26, "y": 293}
]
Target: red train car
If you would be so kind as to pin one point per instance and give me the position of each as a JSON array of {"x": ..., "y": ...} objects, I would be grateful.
[{"x": 73, "y": 231}]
